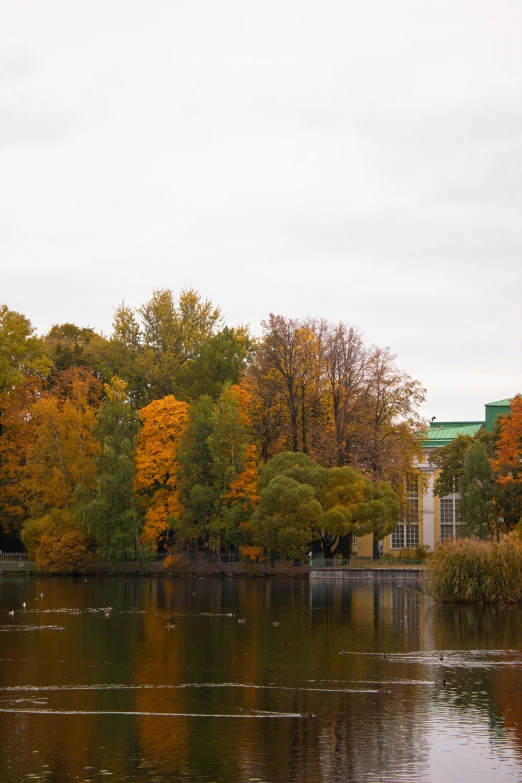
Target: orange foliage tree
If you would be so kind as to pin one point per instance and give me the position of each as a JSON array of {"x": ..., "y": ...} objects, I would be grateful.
[
  {"x": 156, "y": 479},
  {"x": 55, "y": 542},
  {"x": 509, "y": 445},
  {"x": 17, "y": 431}
]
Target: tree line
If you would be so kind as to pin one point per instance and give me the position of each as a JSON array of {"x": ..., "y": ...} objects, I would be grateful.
[
  {"x": 179, "y": 431},
  {"x": 486, "y": 471}
]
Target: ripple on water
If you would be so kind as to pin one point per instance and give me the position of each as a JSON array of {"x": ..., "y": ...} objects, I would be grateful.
[{"x": 31, "y": 628}]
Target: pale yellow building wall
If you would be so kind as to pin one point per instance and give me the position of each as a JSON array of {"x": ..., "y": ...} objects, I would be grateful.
[{"x": 365, "y": 545}]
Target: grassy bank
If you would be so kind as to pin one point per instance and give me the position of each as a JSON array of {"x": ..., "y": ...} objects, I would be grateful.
[{"x": 472, "y": 571}]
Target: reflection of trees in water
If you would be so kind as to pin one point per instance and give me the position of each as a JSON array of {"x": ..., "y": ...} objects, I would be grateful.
[
  {"x": 354, "y": 736},
  {"x": 82, "y": 654}
]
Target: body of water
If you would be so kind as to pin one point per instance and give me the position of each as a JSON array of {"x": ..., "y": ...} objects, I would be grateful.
[{"x": 249, "y": 680}]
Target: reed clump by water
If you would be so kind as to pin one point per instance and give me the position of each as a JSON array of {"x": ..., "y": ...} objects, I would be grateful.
[{"x": 472, "y": 571}]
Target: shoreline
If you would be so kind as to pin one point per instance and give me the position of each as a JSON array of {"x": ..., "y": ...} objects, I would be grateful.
[{"x": 266, "y": 570}]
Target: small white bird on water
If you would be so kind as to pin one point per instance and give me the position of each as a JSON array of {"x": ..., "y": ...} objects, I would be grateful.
[
  {"x": 24, "y": 604},
  {"x": 11, "y": 613}
]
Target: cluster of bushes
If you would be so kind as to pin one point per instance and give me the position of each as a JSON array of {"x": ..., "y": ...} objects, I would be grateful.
[{"x": 473, "y": 571}]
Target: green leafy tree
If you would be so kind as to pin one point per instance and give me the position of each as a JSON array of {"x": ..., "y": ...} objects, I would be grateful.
[
  {"x": 288, "y": 517},
  {"x": 68, "y": 345},
  {"x": 221, "y": 360},
  {"x": 450, "y": 460},
  {"x": 174, "y": 333},
  {"x": 477, "y": 488},
  {"x": 217, "y": 497},
  {"x": 197, "y": 493},
  {"x": 21, "y": 351},
  {"x": 329, "y": 507},
  {"x": 109, "y": 517}
]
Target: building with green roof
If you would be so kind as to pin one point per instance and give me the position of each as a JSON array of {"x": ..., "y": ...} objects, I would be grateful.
[{"x": 438, "y": 518}]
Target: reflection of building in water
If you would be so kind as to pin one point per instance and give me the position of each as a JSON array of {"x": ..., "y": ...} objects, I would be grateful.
[
  {"x": 361, "y": 733},
  {"x": 433, "y": 519}
]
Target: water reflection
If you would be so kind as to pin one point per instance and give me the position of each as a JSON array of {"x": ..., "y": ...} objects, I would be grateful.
[{"x": 155, "y": 679}]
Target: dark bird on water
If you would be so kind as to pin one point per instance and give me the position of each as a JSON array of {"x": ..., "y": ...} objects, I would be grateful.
[
  {"x": 444, "y": 682},
  {"x": 442, "y": 657}
]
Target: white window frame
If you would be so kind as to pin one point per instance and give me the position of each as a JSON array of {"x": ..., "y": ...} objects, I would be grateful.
[
  {"x": 406, "y": 536},
  {"x": 450, "y": 522}
]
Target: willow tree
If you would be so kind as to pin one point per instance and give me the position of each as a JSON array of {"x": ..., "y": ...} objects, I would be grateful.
[
  {"x": 218, "y": 472},
  {"x": 305, "y": 505},
  {"x": 110, "y": 516}
]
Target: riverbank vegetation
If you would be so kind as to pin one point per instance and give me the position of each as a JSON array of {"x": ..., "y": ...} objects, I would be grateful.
[
  {"x": 179, "y": 432},
  {"x": 473, "y": 571}
]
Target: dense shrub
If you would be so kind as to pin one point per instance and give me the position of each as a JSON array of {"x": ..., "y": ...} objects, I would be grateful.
[
  {"x": 64, "y": 553},
  {"x": 419, "y": 553},
  {"x": 472, "y": 571}
]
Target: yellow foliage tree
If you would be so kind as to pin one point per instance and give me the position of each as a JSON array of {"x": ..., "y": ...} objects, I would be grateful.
[
  {"x": 156, "y": 479},
  {"x": 61, "y": 457},
  {"x": 55, "y": 543}
]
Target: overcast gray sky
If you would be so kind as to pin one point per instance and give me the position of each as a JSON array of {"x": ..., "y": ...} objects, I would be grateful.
[{"x": 360, "y": 161}]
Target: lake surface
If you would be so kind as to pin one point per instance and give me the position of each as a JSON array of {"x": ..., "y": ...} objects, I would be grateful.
[{"x": 168, "y": 685}]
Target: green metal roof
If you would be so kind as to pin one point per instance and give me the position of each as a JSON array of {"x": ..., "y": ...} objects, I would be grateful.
[
  {"x": 495, "y": 409},
  {"x": 440, "y": 433}
]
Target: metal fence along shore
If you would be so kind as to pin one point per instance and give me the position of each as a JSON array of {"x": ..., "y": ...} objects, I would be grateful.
[{"x": 216, "y": 562}]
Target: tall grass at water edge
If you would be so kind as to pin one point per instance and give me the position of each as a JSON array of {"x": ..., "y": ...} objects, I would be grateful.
[{"x": 472, "y": 571}]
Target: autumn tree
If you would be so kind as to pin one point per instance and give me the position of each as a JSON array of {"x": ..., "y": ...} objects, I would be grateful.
[
  {"x": 109, "y": 515},
  {"x": 21, "y": 351},
  {"x": 508, "y": 463},
  {"x": 55, "y": 542},
  {"x": 156, "y": 482},
  {"x": 60, "y": 458},
  {"x": 68, "y": 345},
  {"x": 317, "y": 389},
  {"x": 287, "y": 362},
  {"x": 59, "y": 465},
  {"x": 346, "y": 366},
  {"x": 16, "y": 438},
  {"x": 390, "y": 433}
]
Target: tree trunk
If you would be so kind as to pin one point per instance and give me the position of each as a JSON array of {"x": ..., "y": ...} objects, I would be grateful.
[{"x": 345, "y": 546}]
